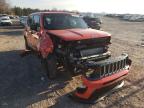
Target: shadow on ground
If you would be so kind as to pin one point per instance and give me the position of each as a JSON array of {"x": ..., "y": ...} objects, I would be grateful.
[
  {"x": 11, "y": 30},
  {"x": 12, "y": 33},
  {"x": 13, "y": 27},
  {"x": 22, "y": 79}
]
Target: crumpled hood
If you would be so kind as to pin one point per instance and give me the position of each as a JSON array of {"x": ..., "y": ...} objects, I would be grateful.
[{"x": 78, "y": 34}]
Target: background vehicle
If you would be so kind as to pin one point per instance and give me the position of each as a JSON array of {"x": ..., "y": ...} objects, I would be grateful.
[
  {"x": 11, "y": 17},
  {"x": 5, "y": 20},
  {"x": 23, "y": 20},
  {"x": 2, "y": 15},
  {"x": 92, "y": 22}
]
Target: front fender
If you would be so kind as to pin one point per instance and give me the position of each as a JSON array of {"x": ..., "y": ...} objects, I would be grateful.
[{"x": 46, "y": 45}]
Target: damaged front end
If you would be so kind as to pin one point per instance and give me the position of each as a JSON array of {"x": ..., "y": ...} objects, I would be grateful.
[
  {"x": 100, "y": 72},
  {"x": 81, "y": 52},
  {"x": 101, "y": 77}
]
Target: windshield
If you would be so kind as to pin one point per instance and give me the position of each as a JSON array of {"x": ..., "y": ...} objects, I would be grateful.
[{"x": 63, "y": 21}]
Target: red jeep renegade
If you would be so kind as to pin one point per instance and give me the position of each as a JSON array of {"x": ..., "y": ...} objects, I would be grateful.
[{"x": 64, "y": 39}]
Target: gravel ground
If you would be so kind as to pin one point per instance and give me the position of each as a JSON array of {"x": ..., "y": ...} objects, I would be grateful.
[{"x": 23, "y": 82}]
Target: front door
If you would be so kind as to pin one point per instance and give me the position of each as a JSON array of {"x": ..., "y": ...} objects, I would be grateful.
[{"x": 33, "y": 37}]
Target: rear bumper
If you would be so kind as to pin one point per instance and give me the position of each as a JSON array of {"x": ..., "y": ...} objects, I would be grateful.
[{"x": 92, "y": 86}]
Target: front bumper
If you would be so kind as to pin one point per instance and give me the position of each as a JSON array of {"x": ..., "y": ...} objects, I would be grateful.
[
  {"x": 93, "y": 86},
  {"x": 110, "y": 72}
]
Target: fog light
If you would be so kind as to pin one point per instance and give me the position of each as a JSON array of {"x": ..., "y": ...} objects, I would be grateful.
[{"x": 81, "y": 89}]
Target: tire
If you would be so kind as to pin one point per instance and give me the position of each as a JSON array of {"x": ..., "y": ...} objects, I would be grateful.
[
  {"x": 10, "y": 24},
  {"x": 51, "y": 67},
  {"x": 98, "y": 27}
]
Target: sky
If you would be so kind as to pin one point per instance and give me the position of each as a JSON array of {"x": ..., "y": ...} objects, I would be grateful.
[{"x": 97, "y": 6}]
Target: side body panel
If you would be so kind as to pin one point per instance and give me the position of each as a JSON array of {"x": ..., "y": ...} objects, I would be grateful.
[{"x": 46, "y": 45}]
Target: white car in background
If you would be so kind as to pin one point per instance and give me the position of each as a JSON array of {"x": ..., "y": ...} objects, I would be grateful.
[{"x": 5, "y": 20}]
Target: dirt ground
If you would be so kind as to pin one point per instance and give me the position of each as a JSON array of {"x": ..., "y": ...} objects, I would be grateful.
[{"x": 23, "y": 83}]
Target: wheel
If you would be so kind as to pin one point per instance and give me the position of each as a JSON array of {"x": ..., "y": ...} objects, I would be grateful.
[
  {"x": 26, "y": 44},
  {"x": 98, "y": 27},
  {"x": 51, "y": 67},
  {"x": 9, "y": 24}
]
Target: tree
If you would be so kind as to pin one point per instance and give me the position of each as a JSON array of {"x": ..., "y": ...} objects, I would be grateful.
[
  {"x": 23, "y": 11},
  {"x": 17, "y": 11},
  {"x": 4, "y": 7}
]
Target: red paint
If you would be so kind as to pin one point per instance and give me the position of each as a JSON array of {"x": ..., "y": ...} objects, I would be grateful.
[
  {"x": 78, "y": 34},
  {"x": 98, "y": 84},
  {"x": 74, "y": 34},
  {"x": 46, "y": 45}
]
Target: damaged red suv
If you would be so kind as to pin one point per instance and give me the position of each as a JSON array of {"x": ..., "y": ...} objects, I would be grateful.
[{"x": 64, "y": 39}]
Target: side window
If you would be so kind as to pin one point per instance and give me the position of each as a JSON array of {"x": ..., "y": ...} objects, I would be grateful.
[
  {"x": 37, "y": 20},
  {"x": 30, "y": 21},
  {"x": 34, "y": 22}
]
